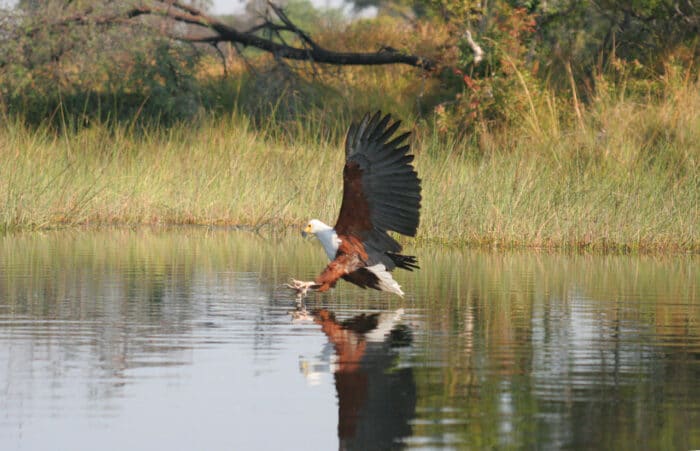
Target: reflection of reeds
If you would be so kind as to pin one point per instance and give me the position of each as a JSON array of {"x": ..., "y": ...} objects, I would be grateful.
[
  {"x": 121, "y": 299},
  {"x": 527, "y": 327},
  {"x": 497, "y": 335},
  {"x": 463, "y": 288}
]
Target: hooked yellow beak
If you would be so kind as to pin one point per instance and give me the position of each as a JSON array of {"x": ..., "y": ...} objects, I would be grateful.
[{"x": 306, "y": 231}]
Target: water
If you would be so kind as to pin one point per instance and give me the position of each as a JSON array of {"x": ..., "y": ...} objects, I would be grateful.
[{"x": 186, "y": 339}]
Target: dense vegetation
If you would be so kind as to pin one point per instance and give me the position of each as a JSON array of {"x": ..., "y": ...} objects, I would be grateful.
[{"x": 579, "y": 128}]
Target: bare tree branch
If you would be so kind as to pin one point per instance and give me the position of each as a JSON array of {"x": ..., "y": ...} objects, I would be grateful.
[
  {"x": 311, "y": 51},
  {"x": 476, "y": 48},
  {"x": 288, "y": 23},
  {"x": 223, "y": 58}
]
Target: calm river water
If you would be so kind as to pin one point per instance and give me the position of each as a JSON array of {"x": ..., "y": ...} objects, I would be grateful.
[{"x": 186, "y": 339}]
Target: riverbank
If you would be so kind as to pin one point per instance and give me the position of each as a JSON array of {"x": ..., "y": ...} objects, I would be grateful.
[{"x": 626, "y": 177}]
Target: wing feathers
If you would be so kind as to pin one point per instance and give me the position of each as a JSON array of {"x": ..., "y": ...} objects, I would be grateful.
[
  {"x": 381, "y": 193},
  {"x": 380, "y": 184},
  {"x": 396, "y": 161},
  {"x": 378, "y": 129},
  {"x": 398, "y": 140},
  {"x": 351, "y": 140},
  {"x": 389, "y": 131}
]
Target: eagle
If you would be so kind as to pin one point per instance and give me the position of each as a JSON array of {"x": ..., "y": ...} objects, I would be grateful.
[{"x": 381, "y": 193}]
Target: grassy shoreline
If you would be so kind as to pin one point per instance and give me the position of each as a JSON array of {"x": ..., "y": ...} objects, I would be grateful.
[{"x": 625, "y": 178}]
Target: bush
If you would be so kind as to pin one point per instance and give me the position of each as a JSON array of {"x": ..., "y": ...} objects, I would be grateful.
[
  {"x": 70, "y": 72},
  {"x": 496, "y": 91}
]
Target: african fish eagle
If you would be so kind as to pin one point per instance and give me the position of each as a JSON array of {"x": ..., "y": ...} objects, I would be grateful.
[{"x": 381, "y": 193}]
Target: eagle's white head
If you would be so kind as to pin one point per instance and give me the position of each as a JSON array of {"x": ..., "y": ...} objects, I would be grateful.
[
  {"x": 315, "y": 226},
  {"x": 325, "y": 234}
]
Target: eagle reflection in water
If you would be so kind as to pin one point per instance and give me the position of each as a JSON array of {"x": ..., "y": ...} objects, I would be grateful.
[{"x": 376, "y": 396}]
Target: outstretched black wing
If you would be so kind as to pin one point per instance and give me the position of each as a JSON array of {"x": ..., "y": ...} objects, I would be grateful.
[{"x": 381, "y": 190}]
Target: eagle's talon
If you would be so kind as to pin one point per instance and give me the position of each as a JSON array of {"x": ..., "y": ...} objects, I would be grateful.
[{"x": 301, "y": 287}]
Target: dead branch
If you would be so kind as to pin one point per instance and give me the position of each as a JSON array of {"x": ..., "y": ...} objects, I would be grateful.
[
  {"x": 476, "y": 48},
  {"x": 309, "y": 51}
]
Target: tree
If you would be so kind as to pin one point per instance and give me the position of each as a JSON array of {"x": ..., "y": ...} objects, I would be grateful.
[{"x": 140, "y": 57}]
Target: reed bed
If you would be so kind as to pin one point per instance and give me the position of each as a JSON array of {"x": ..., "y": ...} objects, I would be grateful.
[{"x": 623, "y": 176}]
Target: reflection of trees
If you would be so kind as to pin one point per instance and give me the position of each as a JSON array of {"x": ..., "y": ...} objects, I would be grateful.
[{"x": 376, "y": 398}]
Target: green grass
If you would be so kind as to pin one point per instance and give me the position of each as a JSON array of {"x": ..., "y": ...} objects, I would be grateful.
[{"x": 625, "y": 177}]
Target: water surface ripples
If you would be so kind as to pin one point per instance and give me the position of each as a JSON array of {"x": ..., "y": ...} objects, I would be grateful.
[{"x": 186, "y": 339}]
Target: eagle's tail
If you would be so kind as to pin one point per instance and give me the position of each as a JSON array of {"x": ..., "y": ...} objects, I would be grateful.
[{"x": 408, "y": 262}]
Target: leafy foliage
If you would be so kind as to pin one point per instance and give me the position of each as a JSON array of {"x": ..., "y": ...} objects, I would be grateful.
[
  {"x": 493, "y": 90},
  {"x": 85, "y": 61},
  {"x": 88, "y": 69},
  {"x": 568, "y": 46}
]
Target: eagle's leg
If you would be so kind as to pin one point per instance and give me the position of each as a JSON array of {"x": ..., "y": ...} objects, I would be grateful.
[{"x": 301, "y": 287}]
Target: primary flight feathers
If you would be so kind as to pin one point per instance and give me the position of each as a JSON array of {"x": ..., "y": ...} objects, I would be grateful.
[{"x": 380, "y": 187}]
